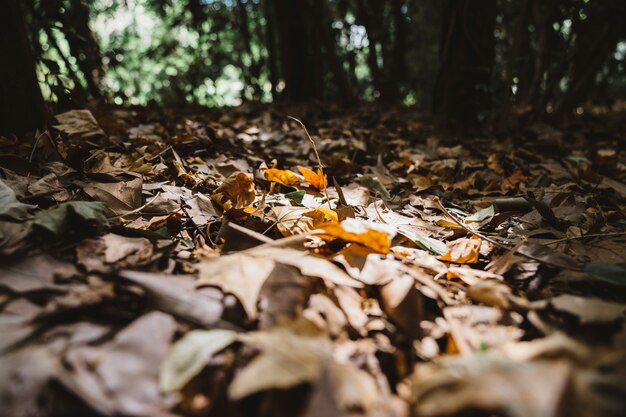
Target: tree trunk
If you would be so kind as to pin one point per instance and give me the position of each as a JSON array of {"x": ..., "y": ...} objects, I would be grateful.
[
  {"x": 21, "y": 104},
  {"x": 462, "y": 93},
  {"x": 597, "y": 37},
  {"x": 398, "y": 65},
  {"x": 299, "y": 58},
  {"x": 330, "y": 51},
  {"x": 245, "y": 48},
  {"x": 368, "y": 12},
  {"x": 520, "y": 63},
  {"x": 270, "y": 43},
  {"x": 83, "y": 46}
]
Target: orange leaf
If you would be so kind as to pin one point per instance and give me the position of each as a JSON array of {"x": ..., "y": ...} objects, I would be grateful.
[
  {"x": 318, "y": 180},
  {"x": 281, "y": 176},
  {"x": 463, "y": 251},
  {"x": 372, "y": 239},
  {"x": 322, "y": 214}
]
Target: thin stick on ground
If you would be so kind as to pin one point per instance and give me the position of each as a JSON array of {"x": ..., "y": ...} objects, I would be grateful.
[{"x": 317, "y": 156}]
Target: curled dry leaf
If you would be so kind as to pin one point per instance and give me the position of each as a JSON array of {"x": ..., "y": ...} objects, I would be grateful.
[{"x": 236, "y": 192}]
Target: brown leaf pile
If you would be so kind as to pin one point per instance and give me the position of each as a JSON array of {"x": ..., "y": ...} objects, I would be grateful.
[{"x": 153, "y": 264}]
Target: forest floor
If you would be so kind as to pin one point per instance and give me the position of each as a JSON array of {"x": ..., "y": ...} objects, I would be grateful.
[{"x": 161, "y": 262}]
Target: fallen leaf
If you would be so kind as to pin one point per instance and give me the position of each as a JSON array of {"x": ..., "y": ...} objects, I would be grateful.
[
  {"x": 490, "y": 292},
  {"x": 489, "y": 383},
  {"x": 463, "y": 251},
  {"x": 190, "y": 354},
  {"x": 120, "y": 197},
  {"x": 317, "y": 180},
  {"x": 178, "y": 296},
  {"x": 353, "y": 231},
  {"x": 589, "y": 310},
  {"x": 239, "y": 274},
  {"x": 121, "y": 376},
  {"x": 10, "y": 207},
  {"x": 236, "y": 192},
  {"x": 291, "y": 354},
  {"x": 281, "y": 176},
  {"x": 77, "y": 217},
  {"x": 79, "y": 124},
  {"x": 611, "y": 273}
]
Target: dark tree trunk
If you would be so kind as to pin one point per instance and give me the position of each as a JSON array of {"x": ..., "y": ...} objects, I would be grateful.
[
  {"x": 462, "y": 93},
  {"x": 367, "y": 13},
  {"x": 83, "y": 46},
  {"x": 330, "y": 51},
  {"x": 21, "y": 104},
  {"x": 245, "y": 48},
  {"x": 597, "y": 37},
  {"x": 270, "y": 43},
  {"x": 520, "y": 63},
  {"x": 547, "y": 14},
  {"x": 299, "y": 56},
  {"x": 398, "y": 65}
]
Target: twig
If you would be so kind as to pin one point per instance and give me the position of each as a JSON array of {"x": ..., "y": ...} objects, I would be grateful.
[
  {"x": 32, "y": 152},
  {"x": 317, "y": 155},
  {"x": 567, "y": 239},
  {"x": 467, "y": 229},
  {"x": 200, "y": 232},
  {"x": 159, "y": 154}
]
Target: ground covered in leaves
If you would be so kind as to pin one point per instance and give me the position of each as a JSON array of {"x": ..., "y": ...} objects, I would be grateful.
[{"x": 203, "y": 263}]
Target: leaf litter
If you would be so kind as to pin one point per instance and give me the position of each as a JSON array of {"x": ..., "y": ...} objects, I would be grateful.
[{"x": 233, "y": 263}]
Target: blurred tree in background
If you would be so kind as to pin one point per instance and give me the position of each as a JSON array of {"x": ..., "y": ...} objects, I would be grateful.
[{"x": 535, "y": 59}]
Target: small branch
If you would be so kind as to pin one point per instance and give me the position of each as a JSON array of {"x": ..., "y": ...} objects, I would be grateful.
[
  {"x": 567, "y": 239},
  {"x": 200, "y": 232},
  {"x": 467, "y": 229},
  {"x": 317, "y": 155}
]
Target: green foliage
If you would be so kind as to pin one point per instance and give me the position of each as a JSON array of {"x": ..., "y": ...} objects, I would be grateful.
[{"x": 223, "y": 52}]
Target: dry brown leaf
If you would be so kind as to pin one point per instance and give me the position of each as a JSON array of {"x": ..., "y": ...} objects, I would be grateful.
[
  {"x": 236, "y": 192},
  {"x": 239, "y": 274}
]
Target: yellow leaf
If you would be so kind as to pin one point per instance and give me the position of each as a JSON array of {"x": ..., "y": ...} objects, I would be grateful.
[
  {"x": 281, "y": 176},
  {"x": 317, "y": 180},
  {"x": 372, "y": 239},
  {"x": 463, "y": 251}
]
